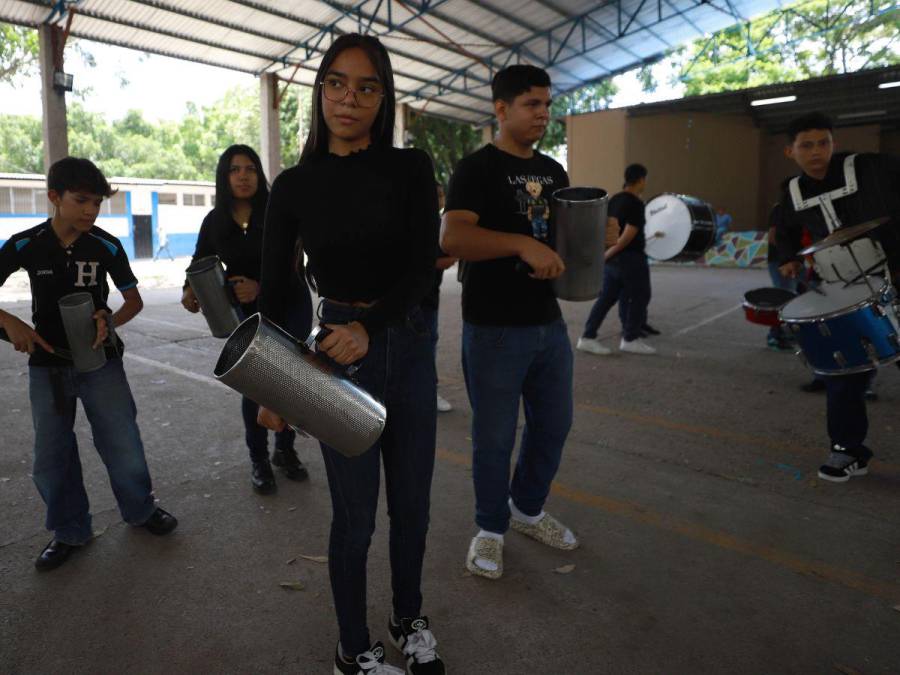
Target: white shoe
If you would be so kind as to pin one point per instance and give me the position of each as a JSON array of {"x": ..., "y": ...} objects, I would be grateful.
[
  {"x": 443, "y": 405},
  {"x": 637, "y": 346},
  {"x": 592, "y": 346}
]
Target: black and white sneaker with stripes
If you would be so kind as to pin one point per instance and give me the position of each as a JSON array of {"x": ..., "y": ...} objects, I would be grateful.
[
  {"x": 843, "y": 463},
  {"x": 370, "y": 662},
  {"x": 416, "y": 641}
]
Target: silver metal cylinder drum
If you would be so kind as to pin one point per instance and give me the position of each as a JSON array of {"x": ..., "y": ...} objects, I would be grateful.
[
  {"x": 77, "y": 310},
  {"x": 269, "y": 366},
  {"x": 207, "y": 279},
  {"x": 579, "y": 217}
]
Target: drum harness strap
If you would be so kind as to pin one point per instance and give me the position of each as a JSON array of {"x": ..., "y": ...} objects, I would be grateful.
[{"x": 824, "y": 201}]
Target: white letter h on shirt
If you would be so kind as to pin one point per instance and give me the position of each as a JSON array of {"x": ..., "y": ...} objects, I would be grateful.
[{"x": 86, "y": 277}]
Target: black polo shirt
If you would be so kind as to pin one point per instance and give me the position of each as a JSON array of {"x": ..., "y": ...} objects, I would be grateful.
[{"x": 56, "y": 271}]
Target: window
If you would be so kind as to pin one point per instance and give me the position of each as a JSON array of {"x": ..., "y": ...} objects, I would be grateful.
[
  {"x": 168, "y": 198},
  {"x": 5, "y": 200},
  {"x": 191, "y": 199},
  {"x": 115, "y": 205},
  {"x": 23, "y": 200},
  {"x": 41, "y": 202}
]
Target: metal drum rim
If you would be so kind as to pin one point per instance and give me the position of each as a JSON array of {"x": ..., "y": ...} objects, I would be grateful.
[
  {"x": 259, "y": 319},
  {"x": 571, "y": 202},
  {"x": 203, "y": 264}
]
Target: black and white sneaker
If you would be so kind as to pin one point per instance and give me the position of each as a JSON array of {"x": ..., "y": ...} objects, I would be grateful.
[
  {"x": 367, "y": 663},
  {"x": 842, "y": 464},
  {"x": 412, "y": 637}
]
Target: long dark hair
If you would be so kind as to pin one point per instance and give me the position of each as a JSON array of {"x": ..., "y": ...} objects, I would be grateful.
[
  {"x": 383, "y": 128},
  {"x": 224, "y": 198}
]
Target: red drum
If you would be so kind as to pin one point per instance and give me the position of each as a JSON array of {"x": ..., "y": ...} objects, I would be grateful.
[{"x": 761, "y": 305}]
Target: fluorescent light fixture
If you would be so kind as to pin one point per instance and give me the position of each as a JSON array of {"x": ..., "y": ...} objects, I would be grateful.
[
  {"x": 868, "y": 113},
  {"x": 772, "y": 101},
  {"x": 889, "y": 85}
]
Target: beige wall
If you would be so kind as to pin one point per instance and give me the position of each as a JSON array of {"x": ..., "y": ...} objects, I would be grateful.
[
  {"x": 713, "y": 157},
  {"x": 596, "y": 149}
]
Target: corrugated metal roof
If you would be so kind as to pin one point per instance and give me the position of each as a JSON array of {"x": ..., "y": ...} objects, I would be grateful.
[{"x": 444, "y": 52}]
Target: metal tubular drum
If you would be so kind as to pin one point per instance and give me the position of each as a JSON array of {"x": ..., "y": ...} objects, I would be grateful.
[
  {"x": 77, "y": 310},
  {"x": 269, "y": 366},
  {"x": 579, "y": 217},
  {"x": 207, "y": 279}
]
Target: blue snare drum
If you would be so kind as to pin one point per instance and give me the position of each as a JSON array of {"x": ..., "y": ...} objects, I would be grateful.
[{"x": 846, "y": 329}]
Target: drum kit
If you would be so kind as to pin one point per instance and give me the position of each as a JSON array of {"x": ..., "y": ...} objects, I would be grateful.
[{"x": 851, "y": 322}]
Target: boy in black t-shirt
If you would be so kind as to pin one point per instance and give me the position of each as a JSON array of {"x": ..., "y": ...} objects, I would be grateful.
[
  {"x": 515, "y": 343},
  {"x": 626, "y": 277},
  {"x": 68, "y": 254}
]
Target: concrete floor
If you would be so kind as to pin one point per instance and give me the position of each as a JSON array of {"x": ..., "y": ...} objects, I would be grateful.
[{"x": 708, "y": 543}]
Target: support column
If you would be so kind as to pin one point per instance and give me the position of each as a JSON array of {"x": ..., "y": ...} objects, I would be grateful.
[
  {"x": 269, "y": 125},
  {"x": 55, "y": 131},
  {"x": 487, "y": 134},
  {"x": 401, "y": 117}
]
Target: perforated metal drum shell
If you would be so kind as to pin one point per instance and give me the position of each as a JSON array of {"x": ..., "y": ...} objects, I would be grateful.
[
  {"x": 579, "y": 218},
  {"x": 268, "y": 366},
  {"x": 207, "y": 279},
  {"x": 77, "y": 311}
]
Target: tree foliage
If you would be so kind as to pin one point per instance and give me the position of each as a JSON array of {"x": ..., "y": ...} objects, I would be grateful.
[
  {"x": 810, "y": 38},
  {"x": 445, "y": 141},
  {"x": 19, "y": 51}
]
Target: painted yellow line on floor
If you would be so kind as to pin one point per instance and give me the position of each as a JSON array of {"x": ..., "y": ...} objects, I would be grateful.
[
  {"x": 876, "y": 588},
  {"x": 886, "y": 468}
]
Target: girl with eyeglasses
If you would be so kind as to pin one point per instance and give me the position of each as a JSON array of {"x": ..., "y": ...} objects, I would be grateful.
[{"x": 366, "y": 215}]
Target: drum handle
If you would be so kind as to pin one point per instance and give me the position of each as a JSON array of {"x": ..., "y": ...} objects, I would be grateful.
[{"x": 319, "y": 333}]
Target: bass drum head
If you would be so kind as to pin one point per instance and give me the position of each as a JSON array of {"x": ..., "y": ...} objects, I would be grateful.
[
  {"x": 832, "y": 299},
  {"x": 670, "y": 216}
]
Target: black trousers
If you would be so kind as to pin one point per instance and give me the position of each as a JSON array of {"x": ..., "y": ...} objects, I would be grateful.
[{"x": 848, "y": 423}]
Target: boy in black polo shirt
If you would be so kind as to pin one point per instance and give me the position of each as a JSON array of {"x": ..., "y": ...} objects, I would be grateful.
[
  {"x": 515, "y": 343},
  {"x": 68, "y": 254}
]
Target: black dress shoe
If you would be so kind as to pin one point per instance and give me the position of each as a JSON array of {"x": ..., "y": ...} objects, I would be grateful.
[
  {"x": 649, "y": 330},
  {"x": 161, "y": 522},
  {"x": 290, "y": 464},
  {"x": 54, "y": 555},
  {"x": 262, "y": 478}
]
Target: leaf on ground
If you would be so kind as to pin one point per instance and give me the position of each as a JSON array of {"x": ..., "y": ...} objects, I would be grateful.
[
  {"x": 293, "y": 508},
  {"x": 291, "y": 561},
  {"x": 897, "y": 608},
  {"x": 846, "y": 670},
  {"x": 293, "y": 585},
  {"x": 314, "y": 558},
  {"x": 565, "y": 569}
]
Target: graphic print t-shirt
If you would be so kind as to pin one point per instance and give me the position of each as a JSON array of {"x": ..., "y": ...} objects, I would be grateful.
[{"x": 513, "y": 195}]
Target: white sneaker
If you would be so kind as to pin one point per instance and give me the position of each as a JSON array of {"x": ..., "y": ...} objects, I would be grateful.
[
  {"x": 636, "y": 347},
  {"x": 443, "y": 405},
  {"x": 592, "y": 346}
]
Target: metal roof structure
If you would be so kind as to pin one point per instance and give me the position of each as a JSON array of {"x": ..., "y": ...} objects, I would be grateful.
[
  {"x": 851, "y": 99},
  {"x": 444, "y": 52}
]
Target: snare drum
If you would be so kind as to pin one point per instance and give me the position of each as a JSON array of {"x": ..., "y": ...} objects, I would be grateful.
[
  {"x": 846, "y": 329},
  {"x": 761, "y": 305},
  {"x": 679, "y": 228}
]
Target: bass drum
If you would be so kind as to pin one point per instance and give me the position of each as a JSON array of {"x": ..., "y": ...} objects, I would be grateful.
[{"x": 679, "y": 228}]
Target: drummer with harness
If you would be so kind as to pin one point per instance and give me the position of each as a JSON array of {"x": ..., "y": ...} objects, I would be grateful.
[{"x": 849, "y": 327}]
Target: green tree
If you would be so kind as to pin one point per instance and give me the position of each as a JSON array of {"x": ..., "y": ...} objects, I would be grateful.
[
  {"x": 19, "y": 51},
  {"x": 590, "y": 98},
  {"x": 808, "y": 39},
  {"x": 20, "y": 144},
  {"x": 445, "y": 141}
]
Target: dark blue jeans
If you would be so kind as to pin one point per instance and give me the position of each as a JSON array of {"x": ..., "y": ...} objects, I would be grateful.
[
  {"x": 430, "y": 317},
  {"x": 848, "y": 423},
  {"x": 626, "y": 280},
  {"x": 111, "y": 412},
  {"x": 503, "y": 365},
  {"x": 399, "y": 371},
  {"x": 257, "y": 437}
]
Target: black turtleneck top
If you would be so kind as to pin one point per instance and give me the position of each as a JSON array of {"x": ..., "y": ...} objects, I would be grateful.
[{"x": 368, "y": 223}]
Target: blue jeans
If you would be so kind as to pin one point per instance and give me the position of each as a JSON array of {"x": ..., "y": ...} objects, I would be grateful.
[
  {"x": 257, "y": 437},
  {"x": 399, "y": 371},
  {"x": 111, "y": 412},
  {"x": 503, "y": 365},
  {"x": 788, "y": 284},
  {"x": 848, "y": 422},
  {"x": 431, "y": 321},
  {"x": 626, "y": 280}
]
